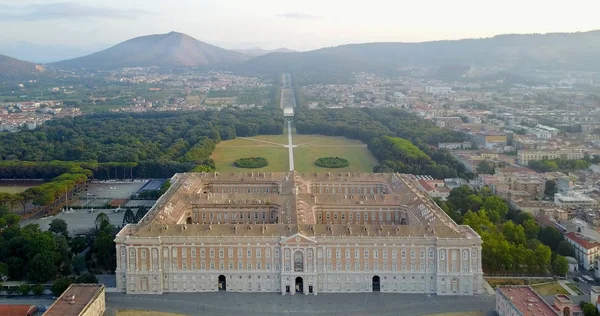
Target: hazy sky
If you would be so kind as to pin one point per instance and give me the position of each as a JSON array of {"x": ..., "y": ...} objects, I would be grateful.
[{"x": 300, "y": 24}]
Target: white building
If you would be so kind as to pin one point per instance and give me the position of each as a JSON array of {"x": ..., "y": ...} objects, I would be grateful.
[
  {"x": 438, "y": 90},
  {"x": 586, "y": 250},
  {"x": 573, "y": 199},
  {"x": 295, "y": 233}
]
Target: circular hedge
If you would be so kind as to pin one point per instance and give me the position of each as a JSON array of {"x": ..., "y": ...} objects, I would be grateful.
[
  {"x": 251, "y": 162},
  {"x": 332, "y": 162}
]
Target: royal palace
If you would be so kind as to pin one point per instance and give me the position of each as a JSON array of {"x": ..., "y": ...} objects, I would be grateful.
[{"x": 292, "y": 233}]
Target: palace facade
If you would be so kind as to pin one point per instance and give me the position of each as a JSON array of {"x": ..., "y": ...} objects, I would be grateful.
[{"x": 291, "y": 232}]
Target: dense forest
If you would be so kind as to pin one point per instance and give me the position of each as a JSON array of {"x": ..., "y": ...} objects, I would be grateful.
[
  {"x": 513, "y": 242},
  {"x": 156, "y": 144},
  {"x": 413, "y": 150}
]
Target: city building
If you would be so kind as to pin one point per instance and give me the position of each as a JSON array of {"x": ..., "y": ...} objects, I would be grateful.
[
  {"x": 297, "y": 233},
  {"x": 586, "y": 250},
  {"x": 521, "y": 301},
  {"x": 438, "y": 90},
  {"x": 526, "y": 155},
  {"x": 574, "y": 199},
  {"x": 79, "y": 300},
  {"x": 456, "y": 145}
]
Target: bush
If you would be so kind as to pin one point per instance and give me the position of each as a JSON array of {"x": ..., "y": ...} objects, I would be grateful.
[
  {"x": 37, "y": 289},
  {"x": 60, "y": 285},
  {"x": 251, "y": 162},
  {"x": 24, "y": 289},
  {"x": 87, "y": 278},
  {"x": 332, "y": 162}
]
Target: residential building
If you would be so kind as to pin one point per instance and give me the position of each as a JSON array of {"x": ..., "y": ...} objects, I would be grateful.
[
  {"x": 564, "y": 305},
  {"x": 456, "y": 145},
  {"x": 573, "y": 199},
  {"x": 527, "y": 155},
  {"x": 297, "y": 233},
  {"x": 438, "y": 90},
  {"x": 586, "y": 250},
  {"x": 79, "y": 300},
  {"x": 521, "y": 301}
]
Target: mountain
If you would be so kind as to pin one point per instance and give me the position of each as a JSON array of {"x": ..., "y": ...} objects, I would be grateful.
[
  {"x": 554, "y": 51},
  {"x": 257, "y": 51},
  {"x": 12, "y": 68},
  {"x": 162, "y": 50},
  {"x": 47, "y": 53}
]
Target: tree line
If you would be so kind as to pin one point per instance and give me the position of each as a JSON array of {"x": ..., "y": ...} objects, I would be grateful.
[
  {"x": 129, "y": 144},
  {"x": 513, "y": 243},
  {"x": 412, "y": 151}
]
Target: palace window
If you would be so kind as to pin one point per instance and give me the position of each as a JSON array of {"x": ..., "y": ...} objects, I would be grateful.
[
  {"x": 338, "y": 253},
  {"x": 240, "y": 253},
  {"x": 249, "y": 253},
  {"x": 347, "y": 254},
  {"x": 212, "y": 253},
  {"x": 298, "y": 261},
  {"x": 343, "y": 216},
  {"x": 366, "y": 253},
  {"x": 356, "y": 254},
  {"x": 375, "y": 254},
  {"x": 258, "y": 253},
  {"x": 350, "y": 216},
  {"x": 329, "y": 253}
]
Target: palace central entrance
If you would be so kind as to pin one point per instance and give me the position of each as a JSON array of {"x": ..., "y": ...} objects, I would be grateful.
[
  {"x": 222, "y": 283},
  {"x": 376, "y": 284},
  {"x": 299, "y": 285}
]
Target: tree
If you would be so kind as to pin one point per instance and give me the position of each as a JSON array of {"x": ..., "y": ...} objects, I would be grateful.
[
  {"x": 565, "y": 249},
  {"x": 78, "y": 244},
  {"x": 485, "y": 167},
  {"x": 86, "y": 278},
  {"x": 550, "y": 188},
  {"x": 129, "y": 217},
  {"x": 496, "y": 207},
  {"x": 532, "y": 229},
  {"x": 101, "y": 221},
  {"x": 589, "y": 309},
  {"x": 60, "y": 285},
  {"x": 140, "y": 213},
  {"x": 59, "y": 226},
  {"x": 514, "y": 233},
  {"x": 474, "y": 202},
  {"x": 543, "y": 256},
  {"x": 37, "y": 289},
  {"x": 42, "y": 268},
  {"x": 551, "y": 237},
  {"x": 4, "y": 272},
  {"x": 560, "y": 266},
  {"x": 24, "y": 289}
]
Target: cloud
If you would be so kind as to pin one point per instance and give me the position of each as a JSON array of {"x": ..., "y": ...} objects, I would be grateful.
[
  {"x": 64, "y": 10},
  {"x": 298, "y": 15}
]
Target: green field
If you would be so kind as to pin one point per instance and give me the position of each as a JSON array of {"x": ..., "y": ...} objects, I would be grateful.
[
  {"x": 13, "y": 189},
  {"x": 312, "y": 147},
  {"x": 228, "y": 152},
  {"x": 309, "y": 148}
]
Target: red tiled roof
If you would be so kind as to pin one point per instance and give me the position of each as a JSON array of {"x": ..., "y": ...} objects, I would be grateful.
[
  {"x": 581, "y": 241},
  {"x": 425, "y": 185},
  {"x": 17, "y": 310},
  {"x": 526, "y": 300}
]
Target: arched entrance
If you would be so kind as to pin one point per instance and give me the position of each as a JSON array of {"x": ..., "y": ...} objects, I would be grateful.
[
  {"x": 222, "y": 283},
  {"x": 376, "y": 284},
  {"x": 188, "y": 220},
  {"x": 299, "y": 285}
]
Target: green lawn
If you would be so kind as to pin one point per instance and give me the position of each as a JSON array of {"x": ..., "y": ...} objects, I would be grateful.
[
  {"x": 549, "y": 289},
  {"x": 574, "y": 288},
  {"x": 226, "y": 154},
  {"x": 13, "y": 189},
  {"x": 310, "y": 147}
]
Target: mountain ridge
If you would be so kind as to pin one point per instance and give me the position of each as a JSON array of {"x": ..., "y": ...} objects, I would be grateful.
[
  {"x": 12, "y": 68},
  {"x": 171, "y": 49}
]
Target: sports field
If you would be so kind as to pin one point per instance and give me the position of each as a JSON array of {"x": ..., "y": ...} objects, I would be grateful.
[{"x": 308, "y": 149}]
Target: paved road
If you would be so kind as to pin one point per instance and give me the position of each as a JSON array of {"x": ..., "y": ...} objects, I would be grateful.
[{"x": 290, "y": 145}]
